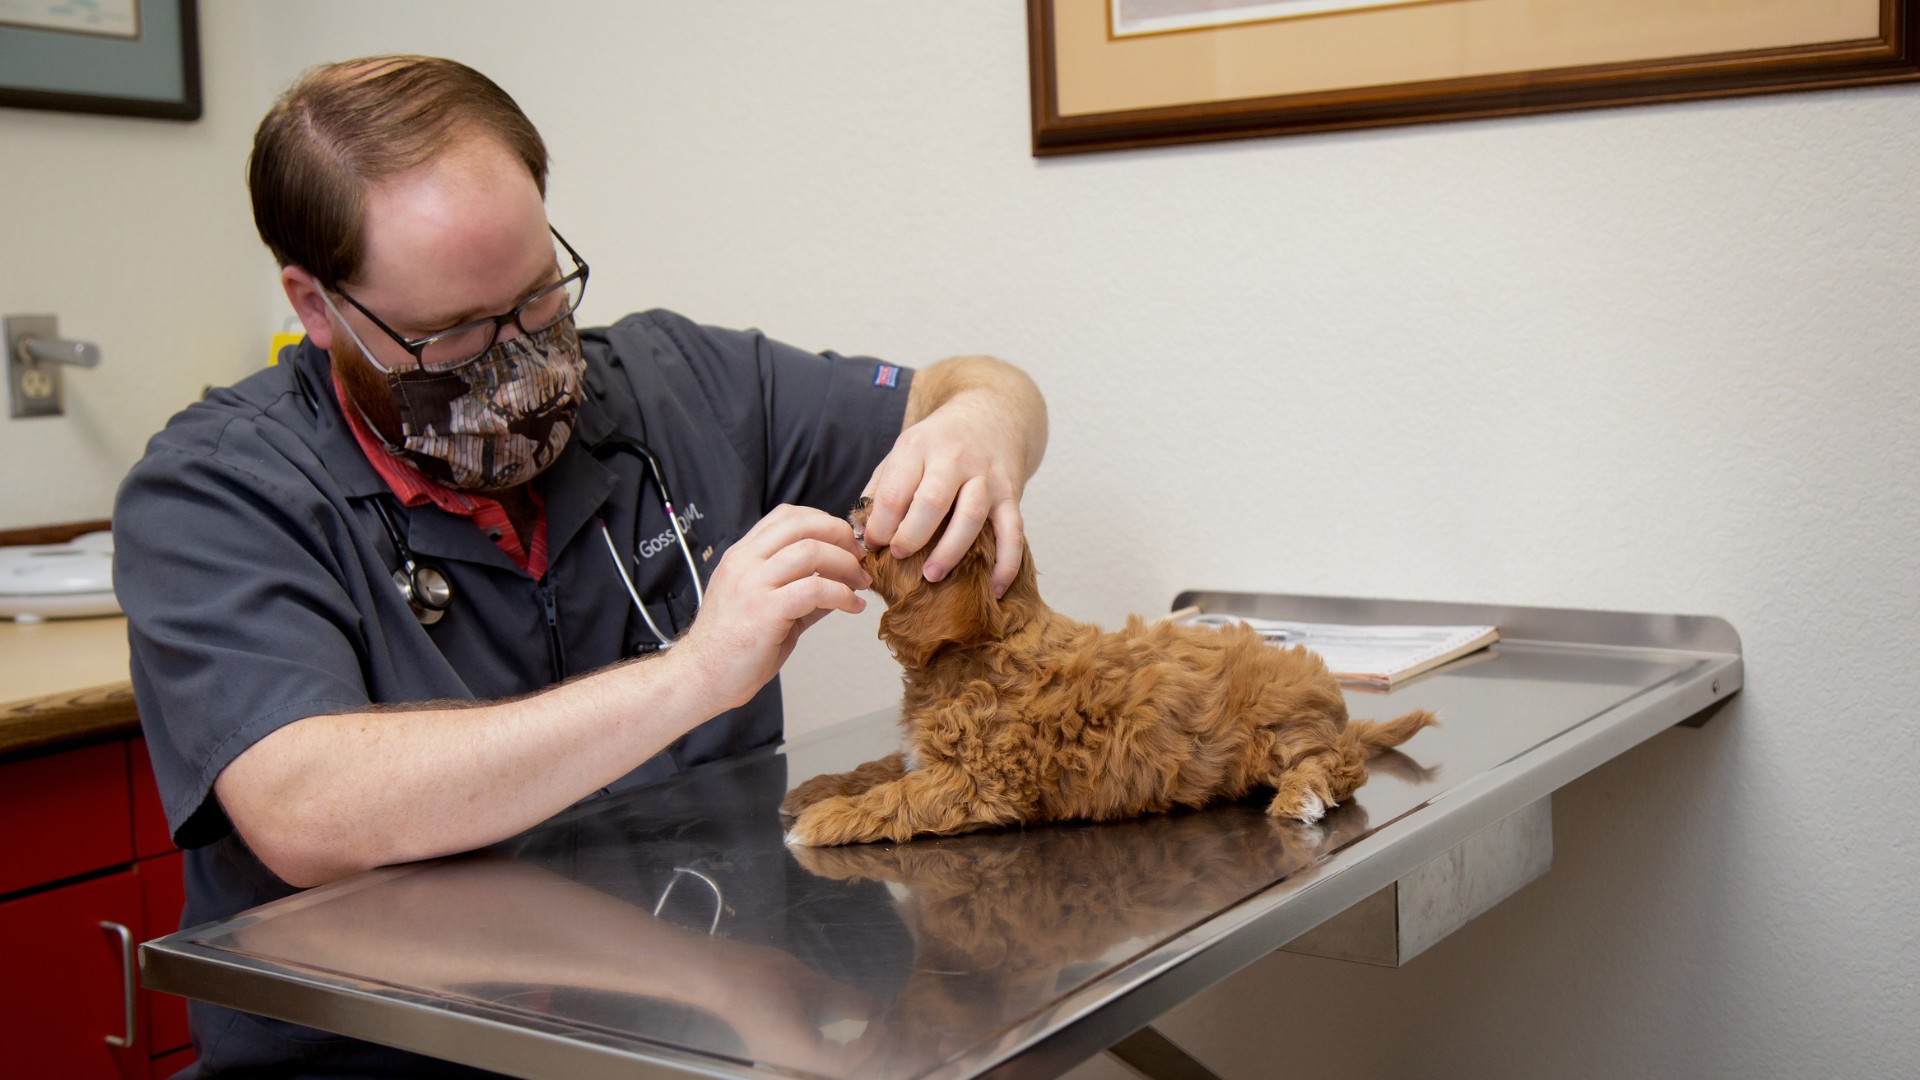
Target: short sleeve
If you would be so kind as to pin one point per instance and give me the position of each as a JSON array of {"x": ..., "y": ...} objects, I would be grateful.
[
  {"x": 236, "y": 616},
  {"x": 823, "y": 421}
]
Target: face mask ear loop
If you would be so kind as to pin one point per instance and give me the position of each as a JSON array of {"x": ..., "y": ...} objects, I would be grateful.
[
  {"x": 391, "y": 449},
  {"x": 365, "y": 353}
]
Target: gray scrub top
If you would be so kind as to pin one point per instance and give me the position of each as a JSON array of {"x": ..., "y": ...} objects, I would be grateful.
[{"x": 257, "y": 579}]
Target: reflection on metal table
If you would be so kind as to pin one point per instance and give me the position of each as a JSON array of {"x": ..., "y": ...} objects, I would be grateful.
[{"x": 670, "y": 932}]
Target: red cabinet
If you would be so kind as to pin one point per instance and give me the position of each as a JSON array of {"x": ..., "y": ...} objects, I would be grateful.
[
  {"x": 66, "y": 814},
  {"x": 86, "y": 874},
  {"x": 68, "y": 967}
]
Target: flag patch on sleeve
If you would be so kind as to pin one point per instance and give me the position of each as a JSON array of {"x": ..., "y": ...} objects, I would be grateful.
[{"x": 886, "y": 375}]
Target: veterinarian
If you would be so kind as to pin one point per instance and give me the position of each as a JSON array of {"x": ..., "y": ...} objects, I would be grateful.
[{"x": 405, "y": 593}]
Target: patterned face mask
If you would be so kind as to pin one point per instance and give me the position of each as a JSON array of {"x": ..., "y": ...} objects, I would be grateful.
[{"x": 497, "y": 420}]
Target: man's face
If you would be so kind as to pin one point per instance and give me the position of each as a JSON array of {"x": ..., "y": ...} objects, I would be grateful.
[{"x": 458, "y": 238}]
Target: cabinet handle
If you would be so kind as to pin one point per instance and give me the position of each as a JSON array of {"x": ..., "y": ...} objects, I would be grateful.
[{"x": 126, "y": 979}]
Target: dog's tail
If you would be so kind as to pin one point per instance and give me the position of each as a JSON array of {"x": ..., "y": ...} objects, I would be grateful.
[{"x": 1371, "y": 738}]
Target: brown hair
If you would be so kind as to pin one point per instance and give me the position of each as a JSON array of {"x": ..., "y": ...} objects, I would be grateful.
[{"x": 344, "y": 126}]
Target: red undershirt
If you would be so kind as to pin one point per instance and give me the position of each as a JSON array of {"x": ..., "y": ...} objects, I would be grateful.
[{"x": 415, "y": 489}]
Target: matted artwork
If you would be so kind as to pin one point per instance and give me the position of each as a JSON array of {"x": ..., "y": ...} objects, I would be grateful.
[
  {"x": 1107, "y": 74},
  {"x": 1132, "y": 18},
  {"x": 125, "y": 57}
]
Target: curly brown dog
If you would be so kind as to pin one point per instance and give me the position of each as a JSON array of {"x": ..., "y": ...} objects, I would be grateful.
[{"x": 1015, "y": 714}]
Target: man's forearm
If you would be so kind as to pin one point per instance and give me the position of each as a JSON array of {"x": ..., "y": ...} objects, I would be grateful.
[{"x": 328, "y": 796}]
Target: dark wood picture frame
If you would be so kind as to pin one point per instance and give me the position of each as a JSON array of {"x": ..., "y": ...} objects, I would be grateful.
[
  {"x": 171, "y": 42},
  {"x": 1891, "y": 57}
]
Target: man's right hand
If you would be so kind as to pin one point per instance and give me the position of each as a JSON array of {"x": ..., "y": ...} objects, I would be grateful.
[
  {"x": 784, "y": 575},
  {"x": 336, "y": 793}
]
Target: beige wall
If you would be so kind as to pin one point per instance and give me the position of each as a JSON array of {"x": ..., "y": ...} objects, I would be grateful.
[
  {"x": 136, "y": 233},
  {"x": 1657, "y": 358}
]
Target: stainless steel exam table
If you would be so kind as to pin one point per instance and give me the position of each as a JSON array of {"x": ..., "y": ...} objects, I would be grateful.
[{"x": 670, "y": 932}]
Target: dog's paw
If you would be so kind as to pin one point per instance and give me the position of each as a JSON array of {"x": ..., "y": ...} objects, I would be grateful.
[
  {"x": 1306, "y": 807},
  {"x": 831, "y": 821},
  {"x": 804, "y": 830}
]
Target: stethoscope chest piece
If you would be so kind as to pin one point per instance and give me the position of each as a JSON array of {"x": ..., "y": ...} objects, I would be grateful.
[
  {"x": 422, "y": 584},
  {"x": 426, "y": 590}
]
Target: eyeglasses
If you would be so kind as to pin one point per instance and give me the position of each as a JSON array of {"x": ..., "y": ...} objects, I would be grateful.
[{"x": 469, "y": 341}]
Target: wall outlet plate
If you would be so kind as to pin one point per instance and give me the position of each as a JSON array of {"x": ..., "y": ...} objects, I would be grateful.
[{"x": 32, "y": 389}]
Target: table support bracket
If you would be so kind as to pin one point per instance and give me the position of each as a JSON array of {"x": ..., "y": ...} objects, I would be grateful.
[
  {"x": 1440, "y": 896},
  {"x": 1153, "y": 1056}
]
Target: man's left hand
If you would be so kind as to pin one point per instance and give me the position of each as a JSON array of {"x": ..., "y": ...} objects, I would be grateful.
[{"x": 976, "y": 430}]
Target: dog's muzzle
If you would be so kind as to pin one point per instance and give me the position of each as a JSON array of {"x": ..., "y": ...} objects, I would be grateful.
[{"x": 858, "y": 518}]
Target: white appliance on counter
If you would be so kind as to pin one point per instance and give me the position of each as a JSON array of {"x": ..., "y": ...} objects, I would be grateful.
[{"x": 58, "y": 581}]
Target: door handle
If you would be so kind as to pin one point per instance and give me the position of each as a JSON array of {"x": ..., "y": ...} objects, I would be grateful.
[{"x": 126, "y": 979}]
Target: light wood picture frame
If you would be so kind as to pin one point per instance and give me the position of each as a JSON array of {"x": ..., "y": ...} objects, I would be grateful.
[{"x": 1101, "y": 79}]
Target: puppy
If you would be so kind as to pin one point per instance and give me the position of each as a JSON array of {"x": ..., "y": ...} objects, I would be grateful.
[{"x": 1015, "y": 714}]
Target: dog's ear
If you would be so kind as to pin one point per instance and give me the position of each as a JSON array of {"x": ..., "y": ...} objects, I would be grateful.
[
  {"x": 958, "y": 610},
  {"x": 1024, "y": 594}
]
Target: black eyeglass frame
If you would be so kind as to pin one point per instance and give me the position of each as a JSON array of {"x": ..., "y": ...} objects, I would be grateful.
[{"x": 417, "y": 347}]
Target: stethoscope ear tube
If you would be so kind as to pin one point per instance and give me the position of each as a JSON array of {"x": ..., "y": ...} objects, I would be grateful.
[
  {"x": 622, "y": 444},
  {"x": 626, "y": 579}
]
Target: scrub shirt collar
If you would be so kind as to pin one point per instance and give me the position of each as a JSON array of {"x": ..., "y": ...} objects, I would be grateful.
[
  {"x": 577, "y": 485},
  {"x": 334, "y": 443}
]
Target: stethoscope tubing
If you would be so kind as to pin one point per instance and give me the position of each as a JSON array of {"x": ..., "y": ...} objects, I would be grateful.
[
  {"x": 616, "y": 444},
  {"x": 626, "y": 579},
  {"x": 686, "y": 551}
]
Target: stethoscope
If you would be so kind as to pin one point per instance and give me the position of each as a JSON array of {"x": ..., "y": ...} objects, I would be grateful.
[
  {"x": 719, "y": 898},
  {"x": 621, "y": 444},
  {"x": 422, "y": 582},
  {"x": 429, "y": 591}
]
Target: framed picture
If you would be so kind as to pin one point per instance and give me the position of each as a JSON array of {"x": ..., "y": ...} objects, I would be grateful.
[
  {"x": 1109, "y": 74},
  {"x": 125, "y": 57}
]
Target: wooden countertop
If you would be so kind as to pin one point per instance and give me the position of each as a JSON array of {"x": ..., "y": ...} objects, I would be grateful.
[{"x": 62, "y": 681}]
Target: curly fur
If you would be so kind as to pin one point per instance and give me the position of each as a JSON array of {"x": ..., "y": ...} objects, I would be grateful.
[{"x": 1015, "y": 714}]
